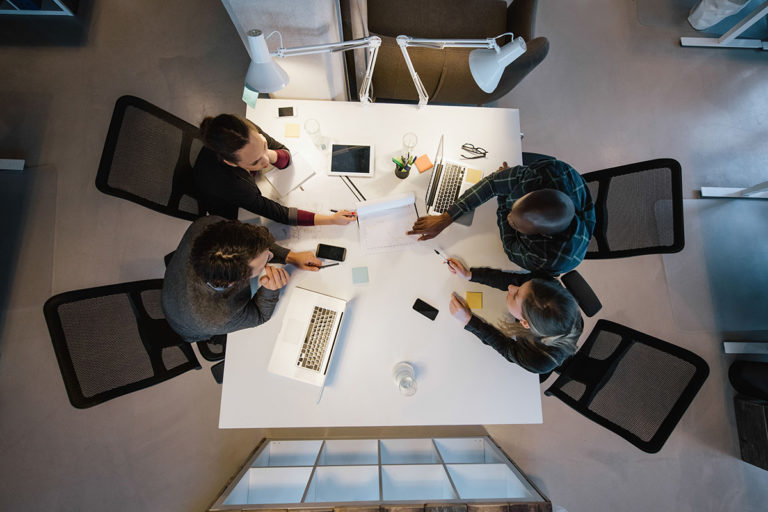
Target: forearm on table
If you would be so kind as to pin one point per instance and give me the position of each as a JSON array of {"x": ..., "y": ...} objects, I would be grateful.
[
  {"x": 499, "y": 279},
  {"x": 261, "y": 306}
]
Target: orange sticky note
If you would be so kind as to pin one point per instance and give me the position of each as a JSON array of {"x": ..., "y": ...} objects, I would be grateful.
[
  {"x": 423, "y": 163},
  {"x": 475, "y": 300},
  {"x": 292, "y": 130},
  {"x": 473, "y": 175}
]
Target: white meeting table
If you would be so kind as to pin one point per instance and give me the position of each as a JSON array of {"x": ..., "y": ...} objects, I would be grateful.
[{"x": 460, "y": 380}]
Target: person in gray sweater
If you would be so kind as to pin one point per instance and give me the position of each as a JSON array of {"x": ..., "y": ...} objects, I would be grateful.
[
  {"x": 206, "y": 289},
  {"x": 547, "y": 323}
]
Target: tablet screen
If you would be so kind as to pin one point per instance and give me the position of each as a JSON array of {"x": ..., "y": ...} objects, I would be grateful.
[{"x": 351, "y": 159}]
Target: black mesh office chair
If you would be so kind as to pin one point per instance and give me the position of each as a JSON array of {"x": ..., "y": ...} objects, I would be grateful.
[
  {"x": 148, "y": 157},
  {"x": 639, "y": 209},
  {"x": 113, "y": 340},
  {"x": 633, "y": 384}
]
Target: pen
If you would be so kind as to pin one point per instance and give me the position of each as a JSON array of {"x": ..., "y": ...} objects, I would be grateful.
[
  {"x": 335, "y": 211},
  {"x": 328, "y": 265},
  {"x": 440, "y": 254}
]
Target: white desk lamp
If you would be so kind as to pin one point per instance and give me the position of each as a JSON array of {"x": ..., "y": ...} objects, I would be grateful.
[
  {"x": 486, "y": 64},
  {"x": 265, "y": 75}
]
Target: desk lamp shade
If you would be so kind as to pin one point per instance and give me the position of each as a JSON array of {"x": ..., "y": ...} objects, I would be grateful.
[
  {"x": 264, "y": 75},
  {"x": 487, "y": 65}
]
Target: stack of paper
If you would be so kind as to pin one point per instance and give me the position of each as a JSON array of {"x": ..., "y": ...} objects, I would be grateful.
[{"x": 384, "y": 222}]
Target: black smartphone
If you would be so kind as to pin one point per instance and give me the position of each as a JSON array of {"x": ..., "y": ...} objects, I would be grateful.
[
  {"x": 285, "y": 112},
  {"x": 331, "y": 252},
  {"x": 425, "y": 309}
]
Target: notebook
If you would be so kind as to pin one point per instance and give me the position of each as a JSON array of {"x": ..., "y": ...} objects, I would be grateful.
[{"x": 307, "y": 338}]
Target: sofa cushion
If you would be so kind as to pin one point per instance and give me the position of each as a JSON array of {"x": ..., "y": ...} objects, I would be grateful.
[{"x": 457, "y": 19}]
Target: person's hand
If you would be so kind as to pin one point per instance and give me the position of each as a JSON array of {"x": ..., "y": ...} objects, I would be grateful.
[
  {"x": 275, "y": 278},
  {"x": 305, "y": 260},
  {"x": 458, "y": 268},
  {"x": 343, "y": 217},
  {"x": 504, "y": 165},
  {"x": 459, "y": 309},
  {"x": 430, "y": 226},
  {"x": 272, "y": 156},
  {"x": 340, "y": 218}
]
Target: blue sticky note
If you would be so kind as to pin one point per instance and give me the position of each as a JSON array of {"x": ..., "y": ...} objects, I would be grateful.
[{"x": 360, "y": 275}]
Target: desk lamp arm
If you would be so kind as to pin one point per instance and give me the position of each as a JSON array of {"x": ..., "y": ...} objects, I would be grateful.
[
  {"x": 373, "y": 43},
  {"x": 405, "y": 41}
]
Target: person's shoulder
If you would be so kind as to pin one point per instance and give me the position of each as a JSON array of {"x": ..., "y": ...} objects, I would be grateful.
[
  {"x": 554, "y": 168},
  {"x": 203, "y": 222}
]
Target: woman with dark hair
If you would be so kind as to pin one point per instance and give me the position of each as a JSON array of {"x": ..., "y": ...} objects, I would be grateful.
[
  {"x": 547, "y": 321},
  {"x": 235, "y": 150},
  {"x": 207, "y": 284}
]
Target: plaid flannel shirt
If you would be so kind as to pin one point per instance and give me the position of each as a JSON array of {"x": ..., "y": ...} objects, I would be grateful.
[{"x": 548, "y": 254}]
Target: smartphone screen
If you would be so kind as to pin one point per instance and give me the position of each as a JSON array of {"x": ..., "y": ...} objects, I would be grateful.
[
  {"x": 331, "y": 252},
  {"x": 425, "y": 309},
  {"x": 285, "y": 112}
]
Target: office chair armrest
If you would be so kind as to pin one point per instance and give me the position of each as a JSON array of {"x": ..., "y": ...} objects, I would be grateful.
[{"x": 582, "y": 292}]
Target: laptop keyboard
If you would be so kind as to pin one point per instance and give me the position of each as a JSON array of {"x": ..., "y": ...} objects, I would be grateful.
[
  {"x": 319, "y": 333},
  {"x": 448, "y": 192}
]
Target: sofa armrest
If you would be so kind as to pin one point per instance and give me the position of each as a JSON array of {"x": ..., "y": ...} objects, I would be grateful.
[{"x": 521, "y": 18}]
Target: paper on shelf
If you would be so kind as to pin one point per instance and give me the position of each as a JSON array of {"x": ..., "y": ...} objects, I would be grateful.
[
  {"x": 297, "y": 172},
  {"x": 384, "y": 222}
]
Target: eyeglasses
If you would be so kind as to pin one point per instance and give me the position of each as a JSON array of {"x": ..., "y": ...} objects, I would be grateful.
[{"x": 476, "y": 152}]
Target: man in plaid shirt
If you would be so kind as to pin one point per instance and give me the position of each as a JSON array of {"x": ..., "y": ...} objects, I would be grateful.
[{"x": 545, "y": 214}]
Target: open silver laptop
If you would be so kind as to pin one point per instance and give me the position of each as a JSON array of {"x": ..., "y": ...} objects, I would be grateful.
[
  {"x": 304, "y": 347},
  {"x": 447, "y": 183}
]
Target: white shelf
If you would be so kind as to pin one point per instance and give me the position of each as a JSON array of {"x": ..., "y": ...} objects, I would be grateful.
[
  {"x": 408, "y": 451},
  {"x": 467, "y": 450},
  {"x": 476, "y": 481},
  {"x": 295, "y": 474},
  {"x": 416, "y": 482},
  {"x": 349, "y": 452},
  {"x": 270, "y": 485},
  {"x": 344, "y": 483},
  {"x": 289, "y": 453}
]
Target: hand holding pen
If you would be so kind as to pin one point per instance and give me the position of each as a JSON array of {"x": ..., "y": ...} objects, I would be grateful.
[
  {"x": 458, "y": 268},
  {"x": 342, "y": 217}
]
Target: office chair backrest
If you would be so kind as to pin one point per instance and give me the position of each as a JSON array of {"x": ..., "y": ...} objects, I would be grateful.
[
  {"x": 148, "y": 157},
  {"x": 639, "y": 209},
  {"x": 113, "y": 340},
  {"x": 633, "y": 384}
]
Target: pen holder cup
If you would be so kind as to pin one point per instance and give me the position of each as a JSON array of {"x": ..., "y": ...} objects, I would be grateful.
[{"x": 402, "y": 173}]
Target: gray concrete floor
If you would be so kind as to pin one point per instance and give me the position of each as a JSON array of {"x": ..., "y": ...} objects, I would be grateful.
[{"x": 616, "y": 88}]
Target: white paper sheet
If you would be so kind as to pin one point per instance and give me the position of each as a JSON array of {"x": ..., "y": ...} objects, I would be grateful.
[
  {"x": 384, "y": 222},
  {"x": 297, "y": 172}
]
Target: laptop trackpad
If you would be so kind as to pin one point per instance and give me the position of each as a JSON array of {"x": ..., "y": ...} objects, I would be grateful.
[{"x": 293, "y": 331}]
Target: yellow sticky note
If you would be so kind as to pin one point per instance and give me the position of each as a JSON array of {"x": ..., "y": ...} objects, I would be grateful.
[
  {"x": 475, "y": 300},
  {"x": 292, "y": 130},
  {"x": 474, "y": 175}
]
